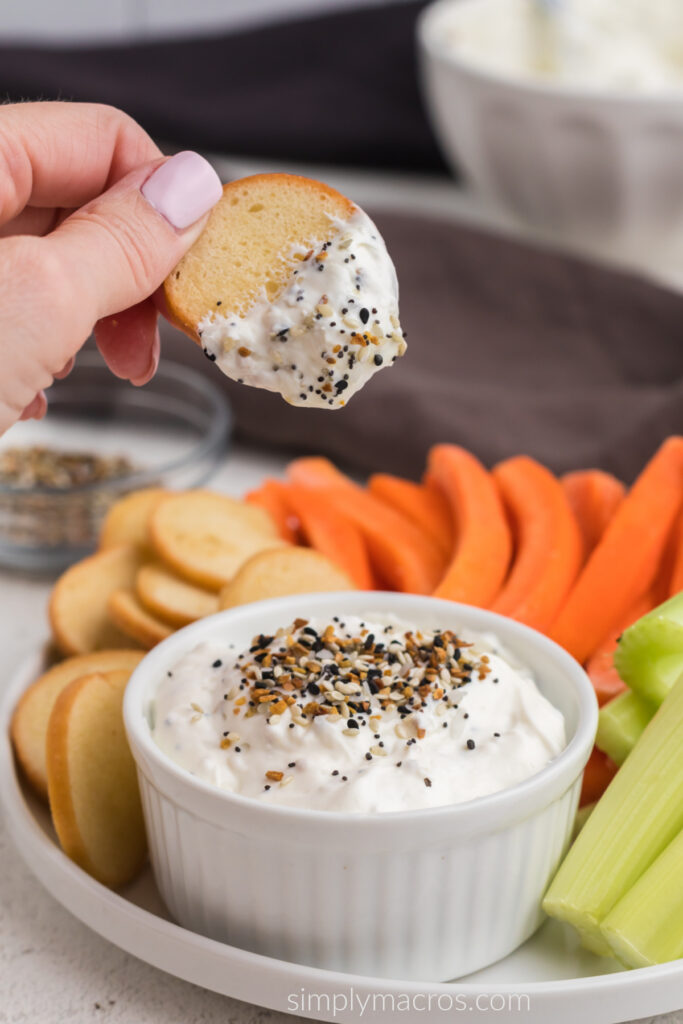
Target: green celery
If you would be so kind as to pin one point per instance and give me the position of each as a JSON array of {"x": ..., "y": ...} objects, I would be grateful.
[
  {"x": 621, "y": 723},
  {"x": 582, "y": 816},
  {"x": 649, "y": 656},
  {"x": 646, "y": 925},
  {"x": 635, "y": 820}
]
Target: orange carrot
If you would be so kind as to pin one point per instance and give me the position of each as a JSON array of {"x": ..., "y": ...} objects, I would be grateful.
[
  {"x": 594, "y": 497},
  {"x": 402, "y": 555},
  {"x": 422, "y": 503},
  {"x": 548, "y": 542},
  {"x": 316, "y": 471},
  {"x": 331, "y": 533},
  {"x": 484, "y": 545},
  {"x": 600, "y": 666},
  {"x": 271, "y": 497},
  {"x": 675, "y": 575},
  {"x": 625, "y": 563},
  {"x": 597, "y": 776}
]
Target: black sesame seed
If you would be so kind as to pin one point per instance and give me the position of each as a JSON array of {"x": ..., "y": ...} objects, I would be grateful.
[
  {"x": 428, "y": 783},
  {"x": 471, "y": 744},
  {"x": 364, "y": 314},
  {"x": 368, "y": 756},
  {"x": 378, "y": 360},
  {"x": 217, "y": 663},
  {"x": 266, "y": 787}
]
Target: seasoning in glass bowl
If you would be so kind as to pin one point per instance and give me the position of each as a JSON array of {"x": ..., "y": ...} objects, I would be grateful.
[{"x": 40, "y": 466}]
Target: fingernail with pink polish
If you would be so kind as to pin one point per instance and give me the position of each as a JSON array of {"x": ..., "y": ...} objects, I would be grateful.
[
  {"x": 183, "y": 189},
  {"x": 138, "y": 382},
  {"x": 36, "y": 409}
]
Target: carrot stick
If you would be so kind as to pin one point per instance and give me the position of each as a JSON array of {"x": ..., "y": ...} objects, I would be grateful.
[
  {"x": 331, "y": 533},
  {"x": 401, "y": 554},
  {"x": 597, "y": 776},
  {"x": 484, "y": 545},
  {"x": 594, "y": 497},
  {"x": 271, "y": 497},
  {"x": 422, "y": 503},
  {"x": 600, "y": 666},
  {"x": 675, "y": 578},
  {"x": 625, "y": 563},
  {"x": 549, "y": 545}
]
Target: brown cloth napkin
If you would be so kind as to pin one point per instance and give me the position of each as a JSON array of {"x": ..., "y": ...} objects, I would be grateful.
[{"x": 511, "y": 349}]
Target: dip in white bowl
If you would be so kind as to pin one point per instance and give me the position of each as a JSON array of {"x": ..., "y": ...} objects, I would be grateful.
[{"x": 345, "y": 714}]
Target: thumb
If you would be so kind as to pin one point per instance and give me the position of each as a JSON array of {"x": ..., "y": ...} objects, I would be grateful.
[
  {"x": 119, "y": 248},
  {"x": 109, "y": 255}
]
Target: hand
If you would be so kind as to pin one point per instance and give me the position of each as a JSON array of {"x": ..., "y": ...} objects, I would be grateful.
[{"x": 92, "y": 219}]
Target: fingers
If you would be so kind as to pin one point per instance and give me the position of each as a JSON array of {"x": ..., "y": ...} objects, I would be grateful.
[
  {"x": 36, "y": 408},
  {"x": 108, "y": 256},
  {"x": 65, "y": 154},
  {"x": 129, "y": 342},
  {"x": 66, "y": 369},
  {"x": 120, "y": 247}
]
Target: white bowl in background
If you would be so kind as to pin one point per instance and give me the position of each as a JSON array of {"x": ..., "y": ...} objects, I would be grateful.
[
  {"x": 428, "y": 894},
  {"x": 586, "y": 164}
]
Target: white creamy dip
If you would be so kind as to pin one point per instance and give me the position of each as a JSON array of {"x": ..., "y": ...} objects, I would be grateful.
[
  {"x": 357, "y": 716},
  {"x": 632, "y": 45},
  {"x": 332, "y": 327}
]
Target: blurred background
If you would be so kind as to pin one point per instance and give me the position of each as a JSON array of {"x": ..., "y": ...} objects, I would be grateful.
[{"x": 523, "y": 159}]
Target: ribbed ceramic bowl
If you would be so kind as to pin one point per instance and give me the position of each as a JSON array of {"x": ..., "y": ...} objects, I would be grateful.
[
  {"x": 429, "y": 894},
  {"x": 588, "y": 164}
]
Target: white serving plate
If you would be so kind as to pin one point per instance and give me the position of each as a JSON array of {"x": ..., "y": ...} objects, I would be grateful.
[{"x": 549, "y": 978}]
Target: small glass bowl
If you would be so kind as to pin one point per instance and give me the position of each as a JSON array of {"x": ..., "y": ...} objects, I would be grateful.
[{"x": 174, "y": 432}]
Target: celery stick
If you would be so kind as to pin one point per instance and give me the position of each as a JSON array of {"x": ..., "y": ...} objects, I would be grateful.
[
  {"x": 636, "y": 818},
  {"x": 646, "y": 925},
  {"x": 649, "y": 656},
  {"x": 621, "y": 723},
  {"x": 582, "y": 816}
]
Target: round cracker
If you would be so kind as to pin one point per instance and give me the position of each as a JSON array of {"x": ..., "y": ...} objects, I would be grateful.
[
  {"x": 78, "y": 603},
  {"x": 92, "y": 780},
  {"x": 280, "y": 572},
  {"x": 172, "y": 599},
  {"x": 206, "y": 537},
  {"x": 28, "y": 728},
  {"x": 128, "y": 614},
  {"x": 245, "y": 249},
  {"x": 127, "y": 521}
]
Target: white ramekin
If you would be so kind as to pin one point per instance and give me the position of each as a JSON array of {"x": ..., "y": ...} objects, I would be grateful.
[
  {"x": 589, "y": 165},
  {"x": 428, "y": 894}
]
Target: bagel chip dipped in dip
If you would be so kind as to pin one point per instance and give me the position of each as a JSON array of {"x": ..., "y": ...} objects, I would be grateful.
[{"x": 290, "y": 288}]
